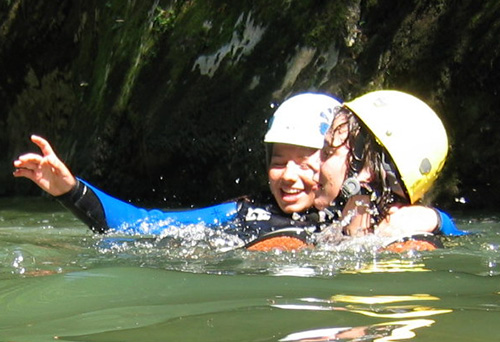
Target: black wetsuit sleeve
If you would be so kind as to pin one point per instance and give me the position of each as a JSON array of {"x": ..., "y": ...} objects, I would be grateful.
[{"x": 86, "y": 206}]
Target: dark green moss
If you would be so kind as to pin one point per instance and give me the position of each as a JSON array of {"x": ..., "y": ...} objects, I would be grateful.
[{"x": 115, "y": 85}]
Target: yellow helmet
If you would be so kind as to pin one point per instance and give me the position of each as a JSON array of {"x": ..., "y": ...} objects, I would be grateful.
[{"x": 411, "y": 133}]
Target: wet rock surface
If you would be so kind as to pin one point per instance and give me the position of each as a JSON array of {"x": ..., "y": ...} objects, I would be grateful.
[{"x": 167, "y": 101}]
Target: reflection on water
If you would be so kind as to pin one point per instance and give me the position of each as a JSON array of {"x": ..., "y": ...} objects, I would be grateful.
[
  {"x": 58, "y": 279},
  {"x": 375, "y": 306},
  {"x": 388, "y": 331}
]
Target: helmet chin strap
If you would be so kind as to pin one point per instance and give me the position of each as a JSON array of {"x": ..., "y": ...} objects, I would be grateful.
[
  {"x": 391, "y": 177},
  {"x": 350, "y": 187}
]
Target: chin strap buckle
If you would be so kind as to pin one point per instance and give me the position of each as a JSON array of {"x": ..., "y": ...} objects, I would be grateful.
[{"x": 351, "y": 187}]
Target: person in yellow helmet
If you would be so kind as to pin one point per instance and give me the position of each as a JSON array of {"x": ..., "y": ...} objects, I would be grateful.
[{"x": 382, "y": 153}]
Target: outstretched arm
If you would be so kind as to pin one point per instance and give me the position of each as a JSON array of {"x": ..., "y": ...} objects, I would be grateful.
[
  {"x": 45, "y": 170},
  {"x": 101, "y": 211}
]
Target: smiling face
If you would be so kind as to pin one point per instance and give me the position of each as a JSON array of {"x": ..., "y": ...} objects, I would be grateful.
[
  {"x": 291, "y": 173},
  {"x": 334, "y": 163}
]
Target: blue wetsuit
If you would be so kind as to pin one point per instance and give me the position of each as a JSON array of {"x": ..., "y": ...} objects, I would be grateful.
[
  {"x": 446, "y": 226},
  {"x": 249, "y": 218}
]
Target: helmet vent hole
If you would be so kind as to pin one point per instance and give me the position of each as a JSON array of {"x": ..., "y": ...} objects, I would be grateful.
[{"x": 425, "y": 166}]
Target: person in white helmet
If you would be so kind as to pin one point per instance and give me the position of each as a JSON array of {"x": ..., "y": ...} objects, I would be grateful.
[
  {"x": 293, "y": 141},
  {"x": 295, "y": 135},
  {"x": 382, "y": 153}
]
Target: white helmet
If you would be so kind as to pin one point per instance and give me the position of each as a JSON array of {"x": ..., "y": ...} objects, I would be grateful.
[{"x": 302, "y": 120}]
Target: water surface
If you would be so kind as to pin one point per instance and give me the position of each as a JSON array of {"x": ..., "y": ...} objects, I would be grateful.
[{"x": 58, "y": 281}]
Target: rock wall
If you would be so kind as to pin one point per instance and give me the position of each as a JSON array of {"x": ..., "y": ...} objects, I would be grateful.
[{"x": 167, "y": 101}]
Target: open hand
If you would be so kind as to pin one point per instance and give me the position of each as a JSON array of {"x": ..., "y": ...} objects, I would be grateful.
[{"x": 46, "y": 170}]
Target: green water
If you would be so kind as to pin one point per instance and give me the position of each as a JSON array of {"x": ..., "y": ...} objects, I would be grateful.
[{"x": 58, "y": 282}]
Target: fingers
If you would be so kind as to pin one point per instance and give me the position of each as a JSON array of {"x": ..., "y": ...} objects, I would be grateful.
[
  {"x": 24, "y": 173},
  {"x": 47, "y": 151},
  {"x": 43, "y": 144},
  {"x": 26, "y": 166},
  {"x": 29, "y": 160},
  {"x": 33, "y": 160}
]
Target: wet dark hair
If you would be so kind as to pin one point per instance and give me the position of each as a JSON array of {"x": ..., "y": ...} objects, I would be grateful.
[{"x": 365, "y": 152}]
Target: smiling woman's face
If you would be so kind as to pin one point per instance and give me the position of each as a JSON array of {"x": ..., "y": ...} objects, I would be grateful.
[
  {"x": 291, "y": 173},
  {"x": 333, "y": 167}
]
